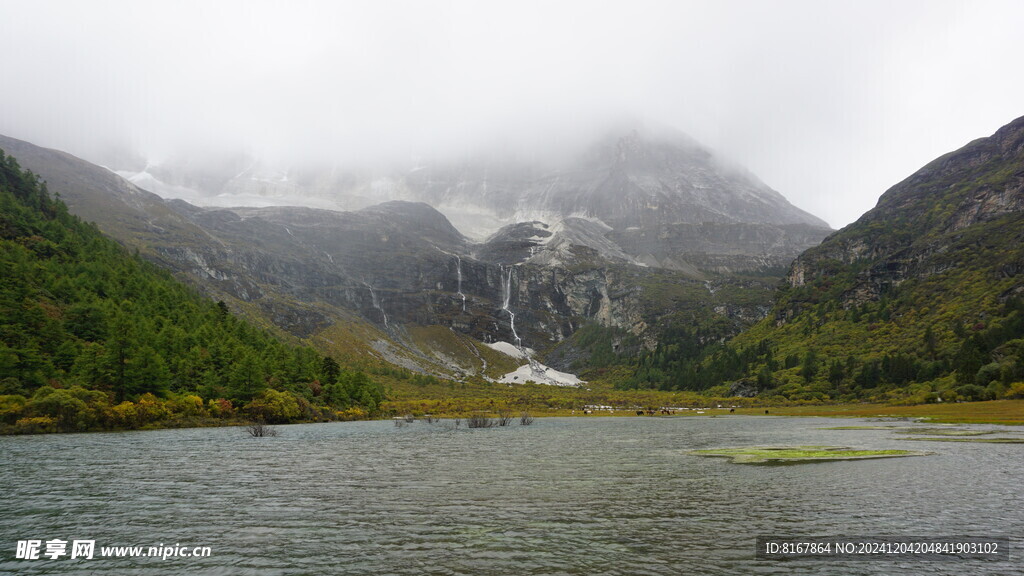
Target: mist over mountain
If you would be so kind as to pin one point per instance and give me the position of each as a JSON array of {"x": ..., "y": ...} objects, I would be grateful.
[
  {"x": 660, "y": 198},
  {"x": 628, "y": 175}
]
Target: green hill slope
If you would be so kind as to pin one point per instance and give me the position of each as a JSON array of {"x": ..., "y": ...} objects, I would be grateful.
[{"x": 93, "y": 337}]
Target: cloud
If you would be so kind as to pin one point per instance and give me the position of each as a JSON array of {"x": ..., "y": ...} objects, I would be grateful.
[{"x": 828, "y": 102}]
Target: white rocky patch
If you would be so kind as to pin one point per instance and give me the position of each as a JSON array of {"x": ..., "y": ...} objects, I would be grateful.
[
  {"x": 510, "y": 349},
  {"x": 541, "y": 374},
  {"x": 533, "y": 371}
]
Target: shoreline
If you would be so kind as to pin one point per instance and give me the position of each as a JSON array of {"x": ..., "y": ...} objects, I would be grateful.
[{"x": 998, "y": 412}]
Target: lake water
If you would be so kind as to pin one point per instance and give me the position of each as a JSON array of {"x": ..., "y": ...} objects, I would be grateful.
[{"x": 563, "y": 496}]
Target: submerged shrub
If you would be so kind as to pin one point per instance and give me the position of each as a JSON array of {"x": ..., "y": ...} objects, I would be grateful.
[
  {"x": 480, "y": 421},
  {"x": 259, "y": 429},
  {"x": 504, "y": 418}
]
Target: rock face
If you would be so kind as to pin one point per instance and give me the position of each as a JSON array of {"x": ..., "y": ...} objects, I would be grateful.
[
  {"x": 404, "y": 263},
  {"x": 934, "y": 222}
]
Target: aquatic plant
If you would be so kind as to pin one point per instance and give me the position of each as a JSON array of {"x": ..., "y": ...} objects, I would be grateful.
[
  {"x": 945, "y": 432},
  {"x": 860, "y": 428},
  {"x": 955, "y": 439},
  {"x": 798, "y": 454}
]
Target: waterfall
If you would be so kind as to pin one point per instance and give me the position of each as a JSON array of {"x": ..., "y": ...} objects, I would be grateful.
[
  {"x": 458, "y": 272},
  {"x": 377, "y": 304},
  {"x": 506, "y": 297}
]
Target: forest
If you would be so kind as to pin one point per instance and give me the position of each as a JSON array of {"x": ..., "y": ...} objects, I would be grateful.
[
  {"x": 878, "y": 351},
  {"x": 93, "y": 337}
]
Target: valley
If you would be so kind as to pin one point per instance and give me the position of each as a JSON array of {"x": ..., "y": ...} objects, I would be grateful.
[{"x": 641, "y": 287}]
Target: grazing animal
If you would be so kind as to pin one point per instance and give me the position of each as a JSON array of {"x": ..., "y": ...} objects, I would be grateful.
[
  {"x": 639, "y": 412},
  {"x": 765, "y": 411},
  {"x": 731, "y": 410}
]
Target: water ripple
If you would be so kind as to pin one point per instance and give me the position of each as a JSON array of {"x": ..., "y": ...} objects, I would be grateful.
[{"x": 564, "y": 496}]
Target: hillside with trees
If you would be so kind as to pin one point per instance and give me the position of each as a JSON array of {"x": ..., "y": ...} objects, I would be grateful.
[
  {"x": 920, "y": 300},
  {"x": 93, "y": 337}
]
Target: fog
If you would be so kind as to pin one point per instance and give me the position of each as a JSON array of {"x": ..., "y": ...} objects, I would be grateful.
[{"x": 828, "y": 102}]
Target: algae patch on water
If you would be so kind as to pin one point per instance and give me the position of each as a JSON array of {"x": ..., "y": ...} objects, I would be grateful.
[
  {"x": 800, "y": 454},
  {"x": 862, "y": 428},
  {"x": 968, "y": 439},
  {"x": 944, "y": 432}
]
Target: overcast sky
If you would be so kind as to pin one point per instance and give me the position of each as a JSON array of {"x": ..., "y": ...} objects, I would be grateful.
[{"x": 829, "y": 102}]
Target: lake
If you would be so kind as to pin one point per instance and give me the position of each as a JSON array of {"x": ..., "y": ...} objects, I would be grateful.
[{"x": 563, "y": 496}]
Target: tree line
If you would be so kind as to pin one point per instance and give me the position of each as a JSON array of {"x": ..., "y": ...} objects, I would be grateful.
[{"x": 979, "y": 361}]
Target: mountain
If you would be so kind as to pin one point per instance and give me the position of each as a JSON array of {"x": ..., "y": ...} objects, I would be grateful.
[
  {"x": 373, "y": 284},
  {"x": 663, "y": 198},
  {"x": 922, "y": 297}
]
